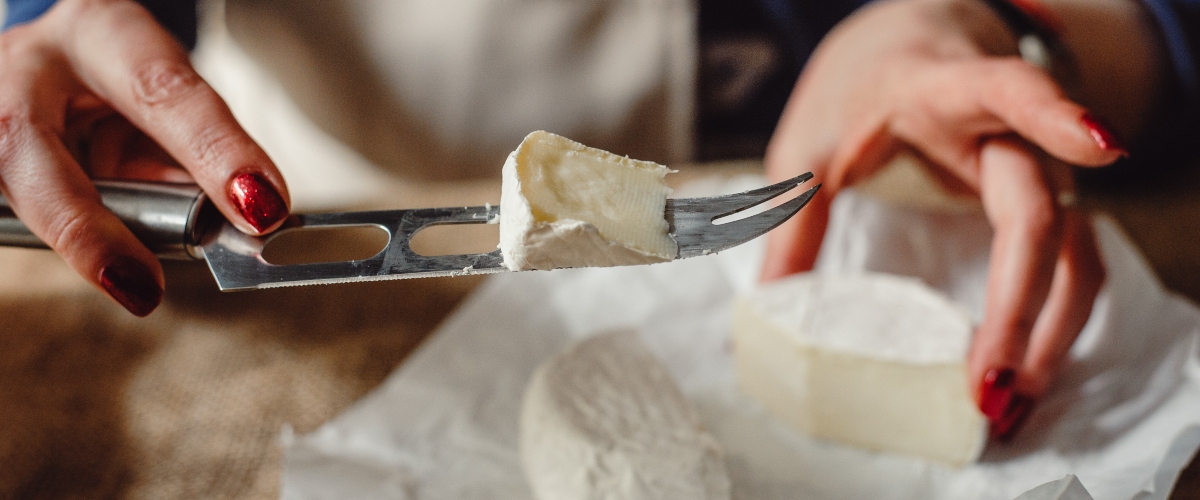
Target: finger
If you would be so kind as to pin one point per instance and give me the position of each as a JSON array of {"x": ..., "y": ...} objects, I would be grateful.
[
  {"x": 1032, "y": 103},
  {"x": 961, "y": 101},
  {"x": 793, "y": 246},
  {"x": 123, "y": 55},
  {"x": 1023, "y": 212},
  {"x": 117, "y": 150},
  {"x": 56, "y": 201},
  {"x": 1078, "y": 277}
]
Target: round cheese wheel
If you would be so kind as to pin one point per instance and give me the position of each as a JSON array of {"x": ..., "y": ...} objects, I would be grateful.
[
  {"x": 876, "y": 361},
  {"x": 604, "y": 420}
]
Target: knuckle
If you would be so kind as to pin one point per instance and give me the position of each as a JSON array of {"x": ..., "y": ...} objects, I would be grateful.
[
  {"x": 12, "y": 121},
  {"x": 8, "y": 133},
  {"x": 13, "y": 41},
  {"x": 21, "y": 49},
  {"x": 1040, "y": 217},
  {"x": 214, "y": 144},
  {"x": 162, "y": 82},
  {"x": 66, "y": 228}
]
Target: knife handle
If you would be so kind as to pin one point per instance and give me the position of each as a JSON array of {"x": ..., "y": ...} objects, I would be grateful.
[{"x": 168, "y": 218}]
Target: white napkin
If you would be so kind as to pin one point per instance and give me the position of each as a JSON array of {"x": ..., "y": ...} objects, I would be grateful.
[
  {"x": 1124, "y": 418},
  {"x": 1067, "y": 488}
]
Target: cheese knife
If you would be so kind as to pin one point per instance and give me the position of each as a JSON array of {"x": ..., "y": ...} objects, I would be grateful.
[{"x": 176, "y": 221}]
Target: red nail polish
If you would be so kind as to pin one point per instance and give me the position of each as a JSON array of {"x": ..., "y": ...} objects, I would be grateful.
[
  {"x": 132, "y": 285},
  {"x": 257, "y": 200},
  {"x": 996, "y": 393},
  {"x": 1103, "y": 134},
  {"x": 1018, "y": 410}
]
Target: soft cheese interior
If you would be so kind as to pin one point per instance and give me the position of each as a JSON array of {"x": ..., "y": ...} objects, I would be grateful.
[
  {"x": 875, "y": 361},
  {"x": 564, "y": 204},
  {"x": 604, "y": 420}
]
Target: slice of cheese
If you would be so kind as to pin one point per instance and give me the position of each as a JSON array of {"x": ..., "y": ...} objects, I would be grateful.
[
  {"x": 875, "y": 361},
  {"x": 564, "y": 204},
  {"x": 604, "y": 420}
]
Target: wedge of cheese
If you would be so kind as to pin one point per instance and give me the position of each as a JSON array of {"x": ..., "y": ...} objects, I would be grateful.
[
  {"x": 874, "y": 361},
  {"x": 604, "y": 420},
  {"x": 564, "y": 204}
]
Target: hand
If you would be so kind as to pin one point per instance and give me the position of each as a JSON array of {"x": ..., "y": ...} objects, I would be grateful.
[
  {"x": 940, "y": 77},
  {"x": 97, "y": 89}
]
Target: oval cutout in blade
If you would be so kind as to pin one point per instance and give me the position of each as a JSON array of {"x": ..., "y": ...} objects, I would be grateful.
[{"x": 311, "y": 245}]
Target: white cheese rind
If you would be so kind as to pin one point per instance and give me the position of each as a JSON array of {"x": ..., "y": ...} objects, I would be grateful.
[
  {"x": 874, "y": 361},
  {"x": 564, "y": 204},
  {"x": 604, "y": 420}
]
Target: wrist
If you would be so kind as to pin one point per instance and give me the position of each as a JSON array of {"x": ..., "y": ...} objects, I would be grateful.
[
  {"x": 1038, "y": 31},
  {"x": 1116, "y": 68}
]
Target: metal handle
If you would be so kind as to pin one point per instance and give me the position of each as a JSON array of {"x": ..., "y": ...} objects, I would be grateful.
[{"x": 165, "y": 217}]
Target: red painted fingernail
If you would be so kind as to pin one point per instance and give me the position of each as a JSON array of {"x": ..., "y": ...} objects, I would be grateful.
[
  {"x": 997, "y": 392},
  {"x": 1103, "y": 134},
  {"x": 257, "y": 200},
  {"x": 1018, "y": 410},
  {"x": 132, "y": 285}
]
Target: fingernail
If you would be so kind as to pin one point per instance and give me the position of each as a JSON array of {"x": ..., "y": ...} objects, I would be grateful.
[
  {"x": 997, "y": 392},
  {"x": 132, "y": 285},
  {"x": 1007, "y": 426},
  {"x": 1103, "y": 134},
  {"x": 257, "y": 200}
]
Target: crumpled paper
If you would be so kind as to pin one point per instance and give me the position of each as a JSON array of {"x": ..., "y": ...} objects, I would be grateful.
[{"x": 1124, "y": 417}]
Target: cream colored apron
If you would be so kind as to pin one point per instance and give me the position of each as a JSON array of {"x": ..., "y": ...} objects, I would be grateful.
[{"x": 445, "y": 89}]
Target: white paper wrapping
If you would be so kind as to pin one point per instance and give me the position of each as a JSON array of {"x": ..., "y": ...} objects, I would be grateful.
[
  {"x": 1124, "y": 417},
  {"x": 1067, "y": 488}
]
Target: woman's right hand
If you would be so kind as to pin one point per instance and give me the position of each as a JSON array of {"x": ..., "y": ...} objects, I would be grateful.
[{"x": 97, "y": 89}]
